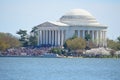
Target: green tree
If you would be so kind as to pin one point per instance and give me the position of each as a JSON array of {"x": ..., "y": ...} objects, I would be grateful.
[
  {"x": 88, "y": 41},
  {"x": 118, "y": 39},
  {"x": 87, "y": 37},
  {"x": 34, "y": 30},
  {"x": 23, "y": 37},
  {"x": 33, "y": 40},
  {"x": 56, "y": 51},
  {"x": 33, "y": 37}
]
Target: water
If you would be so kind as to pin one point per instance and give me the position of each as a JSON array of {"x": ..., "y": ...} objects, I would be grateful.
[{"x": 59, "y": 69}]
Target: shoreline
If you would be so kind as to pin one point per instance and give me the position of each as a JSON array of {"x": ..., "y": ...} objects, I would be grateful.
[{"x": 58, "y": 57}]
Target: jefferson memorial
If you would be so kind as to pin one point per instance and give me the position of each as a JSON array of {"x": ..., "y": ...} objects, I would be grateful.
[{"x": 77, "y": 22}]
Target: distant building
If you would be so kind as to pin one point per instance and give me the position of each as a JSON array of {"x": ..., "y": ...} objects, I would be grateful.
[{"x": 76, "y": 22}]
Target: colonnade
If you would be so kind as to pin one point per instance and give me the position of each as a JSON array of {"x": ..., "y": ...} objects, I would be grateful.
[
  {"x": 58, "y": 37},
  {"x": 51, "y": 37},
  {"x": 98, "y": 36}
]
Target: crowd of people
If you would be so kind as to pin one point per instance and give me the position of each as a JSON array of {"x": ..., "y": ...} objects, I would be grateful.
[
  {"x": 39, "y": 51},
  {"x": 26, "y": 51}
]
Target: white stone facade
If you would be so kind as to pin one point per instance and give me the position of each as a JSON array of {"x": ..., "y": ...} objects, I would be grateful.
[{"x": 76, "y": 22}]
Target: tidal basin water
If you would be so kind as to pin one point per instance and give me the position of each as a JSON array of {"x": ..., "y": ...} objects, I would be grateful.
[{"x": 21, "y": 68}]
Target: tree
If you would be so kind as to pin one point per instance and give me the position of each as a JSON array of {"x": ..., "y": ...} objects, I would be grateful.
[
  {"x": 34, "y": 30},
  {"x": 113, "y": 44},
  {"x": 23, "y": 37},
  {"x": 56, "y": 51},
  {"x": 118, "y": 39},
  {"x": 87, "y": 37},
  {"x": 33, "y": 40},
  {"x": 33, "y": 37},
  {"x": 75, "y": 44},
  {"x": 7, "y": 40}
]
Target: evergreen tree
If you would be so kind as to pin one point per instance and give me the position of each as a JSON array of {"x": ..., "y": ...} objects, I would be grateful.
[
  {"x": 33, "y": 38},
  {"x": 23, "y": 37}
]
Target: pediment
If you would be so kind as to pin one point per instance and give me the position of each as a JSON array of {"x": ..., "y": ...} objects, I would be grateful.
[{"x": 47, "y": 24}]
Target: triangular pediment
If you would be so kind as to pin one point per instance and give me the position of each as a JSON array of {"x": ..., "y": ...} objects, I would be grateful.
[{"x": 47, "y": 24}]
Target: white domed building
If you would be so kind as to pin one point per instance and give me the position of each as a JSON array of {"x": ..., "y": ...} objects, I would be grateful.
[{"x": 76, "y": 22}]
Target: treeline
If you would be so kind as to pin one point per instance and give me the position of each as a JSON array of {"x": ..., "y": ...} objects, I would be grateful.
[
  {"x": 7, "y": 40},
  {"x": 115, "y": 45}
]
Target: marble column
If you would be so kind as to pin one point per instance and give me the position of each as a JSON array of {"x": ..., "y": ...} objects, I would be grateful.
[
  {"x": 93, "y": 37},
  {"x": 52, "y": 37},
  {"x": 38, "y": 37},
  {"x": 49, "y": 42},
  {"x": 102, "y": 38},
  {"x": 48, "y": 36},
  {"x": 62, "y": 36},
  {"x": 105, "y": 39},
  {"x": 58, "y": 37},
  {"x": 97, "y": 37},
  {"x": 83, "y": 34},
  {"x": 78, "y": 33},
  {"x": 43, "y": 36},
  {"x": 64, "y": 33},
  {"x": 88, "y": 31}
]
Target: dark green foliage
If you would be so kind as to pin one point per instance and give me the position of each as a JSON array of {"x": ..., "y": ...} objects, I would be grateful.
[
  {"x": 87, "y": 37},
  {"x": 56, "y": 50},
  {"x": 118, "y": 39},
  {"x": 33, "y": 38},
  {"x": 23, "y": 37},
  {"x": 28, "y": 40},
  {"x": 34, "y": 30}
]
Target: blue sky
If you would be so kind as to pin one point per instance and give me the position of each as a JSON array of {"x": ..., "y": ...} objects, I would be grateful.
[{"x": 25, "y": 14}]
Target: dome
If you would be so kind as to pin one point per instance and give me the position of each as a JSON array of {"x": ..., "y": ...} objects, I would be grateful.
[
  {"x": 78, "y": 12},
  {"x": 78, "y": 17}
]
